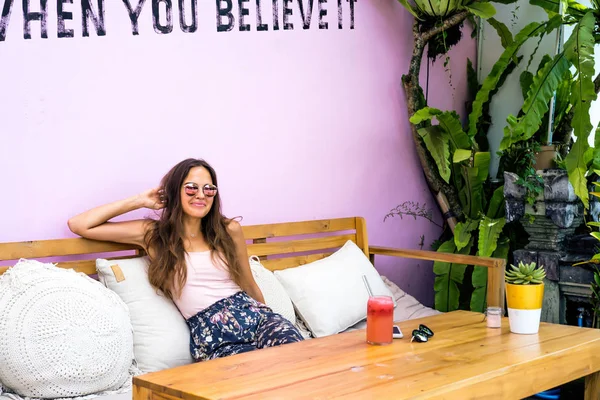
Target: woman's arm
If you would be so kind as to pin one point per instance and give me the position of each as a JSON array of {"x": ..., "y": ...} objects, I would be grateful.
[
  {"x": 250, "y": 286},
  {"x": 93, "y": 224}
]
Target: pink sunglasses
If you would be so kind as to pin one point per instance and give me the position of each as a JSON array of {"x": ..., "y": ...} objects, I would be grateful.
[{"x": 191, "y": 189}]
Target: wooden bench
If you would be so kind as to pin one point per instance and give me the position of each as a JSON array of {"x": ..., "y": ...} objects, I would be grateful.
[{"x": 280, "y": 246}]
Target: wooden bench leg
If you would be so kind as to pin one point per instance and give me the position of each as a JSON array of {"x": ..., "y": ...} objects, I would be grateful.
[{"x": 592, "y": 386}]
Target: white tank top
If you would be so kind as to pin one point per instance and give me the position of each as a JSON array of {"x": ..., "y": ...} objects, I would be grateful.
[{"x": 207, "y": 282}]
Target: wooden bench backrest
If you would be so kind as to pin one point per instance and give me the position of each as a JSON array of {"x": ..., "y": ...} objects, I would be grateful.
[{"x": 280, "y": 246}]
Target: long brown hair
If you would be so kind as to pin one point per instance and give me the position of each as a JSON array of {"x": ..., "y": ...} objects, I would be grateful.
[{"x": 167, "y": 271}]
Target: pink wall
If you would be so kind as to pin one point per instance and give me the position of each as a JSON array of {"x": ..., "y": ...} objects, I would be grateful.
[{"x": 299, "y": 124}]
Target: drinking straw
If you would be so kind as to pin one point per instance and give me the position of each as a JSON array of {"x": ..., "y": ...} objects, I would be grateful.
[{"x": 367, "y": 285}]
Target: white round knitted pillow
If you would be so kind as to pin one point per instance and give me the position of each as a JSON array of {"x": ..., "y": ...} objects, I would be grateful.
[{"x": 62, "y": 334}]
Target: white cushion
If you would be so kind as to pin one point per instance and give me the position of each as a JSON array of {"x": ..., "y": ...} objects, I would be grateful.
[
  {"x": 161, "y": 337},
  {"x": 62, "y": 334},
  {"x": 330, "y": 294},
  {"x": 273, "y": 292}
]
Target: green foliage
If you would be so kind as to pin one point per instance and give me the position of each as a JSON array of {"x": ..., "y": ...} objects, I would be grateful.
[
  {"x": 491, "y": 81},
  {"x": 532, "y": 183},
  {"x": 436, "y": 141},
  {"x": 489, "y": 232},
  {"x": 481, "y": 9},
  {"x": 480, "y": 275},
  {"x": 525, "y": 274},
  {"x": 462, "y": 233},
  {"x": 448, "y": 277},
  {"x": 579, "y": 50},
  {"x": 535, "y": 106},
  {"x": 441, "y": 9},
  {"x": 596, "y": 155},
  {"x": 506, "y": 38}
]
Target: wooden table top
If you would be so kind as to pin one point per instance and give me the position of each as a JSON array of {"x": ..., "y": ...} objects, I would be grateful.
[{"x": 464, "y": 360}]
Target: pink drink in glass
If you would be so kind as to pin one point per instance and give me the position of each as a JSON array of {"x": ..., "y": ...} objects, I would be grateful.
[{"x": 380, "y": 319}]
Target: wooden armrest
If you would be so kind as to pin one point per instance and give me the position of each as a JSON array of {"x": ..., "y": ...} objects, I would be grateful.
[
  {"x": 495, "y": 281},
  {"x": 435, "y": 256}
]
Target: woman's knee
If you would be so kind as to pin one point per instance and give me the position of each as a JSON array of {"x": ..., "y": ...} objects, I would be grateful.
[{"x": 276, "y": 330}]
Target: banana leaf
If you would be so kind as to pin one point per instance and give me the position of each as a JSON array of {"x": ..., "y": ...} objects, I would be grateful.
[
  {"x": 473, "y": 191},
  {"x": 596, "y": 158},
  {"x": 449, "y": 121},
  {"x": 579, "y": 49},
  {"x": 536, "y": 104},
  {"x": 474, "y": 179},
  {"x": 496, "y": 207},
  {"x": 481, "y": 9},
  {"x": 574, "y": 9},
  {"x": 461, "y": 155},
  {"x": 462, "y": 232},
  {"x": 410, "y": 9},
  {"x": 448, "y": 277},
  {"x": 506, "y": 38},
  {"x": 562, "y": 103},
  {"x": 436, "y": 142},
  {"x": 480, "y": 275},
  {"x": 526, "y": 79},
  {"x": 490, "y": 83},
  {"x": 489, "y": 232}
]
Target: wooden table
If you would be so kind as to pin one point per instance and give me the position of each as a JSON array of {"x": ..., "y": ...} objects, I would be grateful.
[{"x": 464, "y": 360}]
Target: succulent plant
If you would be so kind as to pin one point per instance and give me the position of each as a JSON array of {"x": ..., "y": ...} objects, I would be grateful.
[{"x": 525, "y": 274}]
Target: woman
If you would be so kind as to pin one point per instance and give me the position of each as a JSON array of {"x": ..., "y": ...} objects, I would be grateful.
[{"x": 198, "y": 259}]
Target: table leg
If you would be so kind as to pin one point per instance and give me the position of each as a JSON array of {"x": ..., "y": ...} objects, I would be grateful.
[
  {"x": 141, "y": 393},
  {"x": 592, "y": 386}
]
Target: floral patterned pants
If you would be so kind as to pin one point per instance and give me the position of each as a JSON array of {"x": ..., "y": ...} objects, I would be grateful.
[{"x": 237, "y": 324}]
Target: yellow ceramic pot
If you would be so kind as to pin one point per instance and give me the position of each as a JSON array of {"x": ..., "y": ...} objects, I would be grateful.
[{"x": 524, "y": 307}]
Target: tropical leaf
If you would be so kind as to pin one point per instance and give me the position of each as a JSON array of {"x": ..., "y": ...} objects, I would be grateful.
[
  {"x": 448, "y": 277},
  {"x": 481, "y": 161},
  {"x": 489, "y": 232},
  {"x": 552, "y": 6},
  {"x": 472, "y": 82},
  {"x": 505, "y": 1},
  {"x": 436, "y": 142},
  {"x": 450, "y": 122},
  {"x": 506, "y": 38},
  {"x": 535, "y": 106},
  {"x": 481, "y": 9},
  {"x": 491, "y": 81},
  {"x": 462, "y": 232},
  {"x": 461, "y": 155},
  {"x": 596, "y": 235},
  {"x": 579, "y": 49},
  {"x": 407, "y": 5},
  {"x": 562, "y": 100},
  {"x": 480, "y": 275},
  {"x": 576, "y": 168},
  {"x": 596, "y": 224},
  {"x": 473, "y": 191},
  {"x": 526, "y": 79},
  {"x": 596, "y": 156},
  {"x": 424, "y": 114},
  {"x": 496, "y": 207}
]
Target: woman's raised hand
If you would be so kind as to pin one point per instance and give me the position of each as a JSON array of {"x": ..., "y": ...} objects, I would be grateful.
[{"x": 153, "y": 198}]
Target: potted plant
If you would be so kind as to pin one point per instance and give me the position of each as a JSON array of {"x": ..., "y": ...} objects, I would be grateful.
[{"x": 524, "y": 296}]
